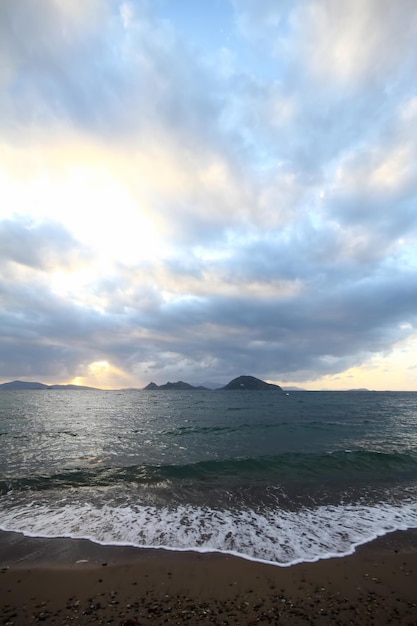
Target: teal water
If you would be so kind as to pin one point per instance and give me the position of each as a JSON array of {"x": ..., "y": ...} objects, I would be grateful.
[{"x": 269, "y": 476}]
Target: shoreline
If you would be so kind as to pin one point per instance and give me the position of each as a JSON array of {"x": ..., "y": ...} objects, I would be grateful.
[{"x": 67, "y": 581}]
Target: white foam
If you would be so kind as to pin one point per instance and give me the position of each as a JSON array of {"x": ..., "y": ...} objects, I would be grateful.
[{"x": 274, "y": 536}]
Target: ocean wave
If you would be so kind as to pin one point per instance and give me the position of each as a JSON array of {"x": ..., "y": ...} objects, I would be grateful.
[
  {"x": 343, "y": 465},
  {"x": 274, "y": 536}
]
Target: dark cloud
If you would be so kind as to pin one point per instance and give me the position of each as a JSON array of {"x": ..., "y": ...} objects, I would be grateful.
[
  {"x": 42, "y": 246},
  {"x": 316, "y": 332},
  {"x": 322, "y": 330},
  {"x": 45, "y": 334}
]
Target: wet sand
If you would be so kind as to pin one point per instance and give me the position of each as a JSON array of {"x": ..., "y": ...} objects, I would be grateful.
[{"x": 63, "y": 581}]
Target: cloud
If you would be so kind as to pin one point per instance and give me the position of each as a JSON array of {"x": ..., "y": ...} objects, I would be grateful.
[
  {"x": 321, "y": 329},
  {"x": 351, "y": 45},
  {"x": 42, "y": 51},
  {"x": 359, "y": 44},
  {"x": 203, "y": 206},
  {"x": 43, "y": 246}
]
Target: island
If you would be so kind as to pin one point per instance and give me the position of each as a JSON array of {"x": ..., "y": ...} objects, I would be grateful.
[
  {"x": 180, "y": 385},
  {"x": 19, "y": 385},
  {"x": 250, "y": 383}
]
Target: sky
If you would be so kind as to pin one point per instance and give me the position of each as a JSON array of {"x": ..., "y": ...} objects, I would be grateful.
[{"x": 195, "y": 190}]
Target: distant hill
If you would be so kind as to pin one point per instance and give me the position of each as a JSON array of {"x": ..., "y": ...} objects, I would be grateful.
[
  {"x": 151, "y": 387},
  {"x": 251, "y": 383},
  {"x": 178, "y": 385},
  {"x": 22, "y": 384}
]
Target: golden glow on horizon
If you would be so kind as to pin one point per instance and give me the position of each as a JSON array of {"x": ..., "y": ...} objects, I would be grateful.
[
  {"x": 395, "y": 371},
  {"x": 104, "y": 375}
]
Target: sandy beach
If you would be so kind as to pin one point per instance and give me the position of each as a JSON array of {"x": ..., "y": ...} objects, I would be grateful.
[{"x": 63, "y": 581}]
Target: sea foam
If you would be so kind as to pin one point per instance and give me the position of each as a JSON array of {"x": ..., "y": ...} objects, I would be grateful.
[{"x": 274, "y": 536}]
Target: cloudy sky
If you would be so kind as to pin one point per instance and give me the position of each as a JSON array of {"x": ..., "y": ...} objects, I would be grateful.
[{"x": 197, "y": 190}]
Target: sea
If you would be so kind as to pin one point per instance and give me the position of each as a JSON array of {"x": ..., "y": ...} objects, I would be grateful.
[{"x": 277, "y": 477}]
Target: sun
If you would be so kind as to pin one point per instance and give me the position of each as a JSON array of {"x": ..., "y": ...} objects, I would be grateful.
[
  {"x": 104, "y": 375},
  {"x": 95, "y": 374}
]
